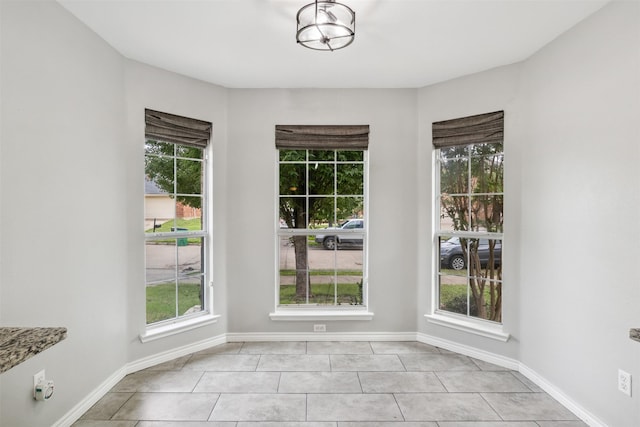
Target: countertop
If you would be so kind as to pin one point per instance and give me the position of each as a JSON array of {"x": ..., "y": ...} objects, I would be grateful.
[{"x": 19, "y": 344}]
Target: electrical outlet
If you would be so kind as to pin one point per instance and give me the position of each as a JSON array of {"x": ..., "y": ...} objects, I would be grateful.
[
  {"x": 38, "y": 378},
  {"x": 624, "y": 382},
  {"x": 319, "y": 328}
]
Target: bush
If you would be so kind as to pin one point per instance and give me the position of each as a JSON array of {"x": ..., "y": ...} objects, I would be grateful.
[{"x": 458, "y": 304}]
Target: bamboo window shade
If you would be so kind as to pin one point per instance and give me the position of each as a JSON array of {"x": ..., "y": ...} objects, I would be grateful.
[
  {"x": 308, "y": 137},
  {"x": 479, "y": 129},
  {"x": 177, "y": 129}
]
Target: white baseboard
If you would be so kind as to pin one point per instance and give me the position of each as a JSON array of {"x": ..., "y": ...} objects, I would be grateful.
[
  {"x": 77, "y": 411},
  {"x": 496, "y": 359},
  {"x": 83, "y": 406},
  {"x": 165, "y": 356},
  {"x": 515, "y": 365},
  {"x": 321, "y": 336},
  {"x": 561, "y": 397}
]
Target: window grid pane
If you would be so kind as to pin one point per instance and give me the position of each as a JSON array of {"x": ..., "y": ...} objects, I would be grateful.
[
  {"x": 175, "y": 231},
  {"x": 471, "y": 199},
  {"x": 321, "y": 263}
]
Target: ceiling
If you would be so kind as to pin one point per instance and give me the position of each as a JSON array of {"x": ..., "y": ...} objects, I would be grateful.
[{"x": 398, "y": 44}]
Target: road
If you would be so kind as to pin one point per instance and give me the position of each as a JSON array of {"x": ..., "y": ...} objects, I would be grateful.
[
  {"x": 321, "y": 259},
  {"x": 161, "y": 262}
]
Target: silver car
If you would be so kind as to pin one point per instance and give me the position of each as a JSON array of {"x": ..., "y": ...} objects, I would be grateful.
[
  {"x": 452, "y": 256},
  {"x": 329, "y": 241}
]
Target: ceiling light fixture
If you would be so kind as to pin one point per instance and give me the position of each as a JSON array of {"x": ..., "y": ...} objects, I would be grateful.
[{"x": 326, "y": 25}]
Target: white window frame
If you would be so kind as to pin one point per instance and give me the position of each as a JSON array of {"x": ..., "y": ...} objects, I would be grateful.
[
  {"x": 313, "y": 311},
  {"x": 466, "y": 323},
  {"x": 206, "y": 316}
]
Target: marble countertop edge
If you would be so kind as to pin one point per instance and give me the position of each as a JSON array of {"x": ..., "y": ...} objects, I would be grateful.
[{"x": 19, "y": 344}]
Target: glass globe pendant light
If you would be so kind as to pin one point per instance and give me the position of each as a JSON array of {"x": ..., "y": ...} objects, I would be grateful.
[{"x": 326, "y": 25}]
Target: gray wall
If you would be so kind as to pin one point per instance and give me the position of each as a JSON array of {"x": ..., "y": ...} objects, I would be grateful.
[
  {"x": 71, "y": 247},
  {"x": 149, "y": 87},
  {"x": 571, "y": 207},
  {"x": 476, "y": 94},
  {"x": 64, "y": 205},
  {"x": 579, "y": 280},
  {"x": 251, "y": 188}
]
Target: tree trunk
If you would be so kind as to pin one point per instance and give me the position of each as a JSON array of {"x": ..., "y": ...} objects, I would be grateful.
[
  {"x": 495, "y": 289},
  {"x": 302, "y": 278},
  {"x": 496, "y": 307},
  {"x": 477, "y": 283}
]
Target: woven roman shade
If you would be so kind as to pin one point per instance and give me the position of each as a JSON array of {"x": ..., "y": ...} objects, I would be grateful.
[
  {"x": 480, "y": 129},
  {"x": 177, "y": 129},
  {"x": 303, "y": 137}
]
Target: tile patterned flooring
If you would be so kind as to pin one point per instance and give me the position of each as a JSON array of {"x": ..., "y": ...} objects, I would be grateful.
[{"x": 326, "y": 384}]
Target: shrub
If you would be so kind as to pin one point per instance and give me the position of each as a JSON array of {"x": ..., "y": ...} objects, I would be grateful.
[{"x": 458, "y": 304}]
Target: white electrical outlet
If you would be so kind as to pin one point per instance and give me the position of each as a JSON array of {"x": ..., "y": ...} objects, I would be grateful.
[
  {"x": 624, "y": 382},
  {"x": 319, "y": 328},
  {"x": 38, "y": 378}
]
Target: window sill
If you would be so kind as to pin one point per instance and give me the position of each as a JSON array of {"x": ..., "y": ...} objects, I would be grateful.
[
  {"x": 306, "y": 314},
  {"x": 484, "y": 329},
  {"x": 156, "y": 332}
]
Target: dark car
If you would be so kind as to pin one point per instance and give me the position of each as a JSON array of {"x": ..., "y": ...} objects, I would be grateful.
[
  {"x": 451, "y": 255},
  {"x": 329, "y": 241}
]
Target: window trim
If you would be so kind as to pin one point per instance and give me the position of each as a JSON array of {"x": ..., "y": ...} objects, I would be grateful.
[
  {"x": 476, "y": 326},
  {"x": 178, "y": 324},
  {"x": 466, "y": 323},
  {"x": 312, "y": 311}
]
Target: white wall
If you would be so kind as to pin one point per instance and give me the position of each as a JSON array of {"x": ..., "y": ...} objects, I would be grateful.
[
  {"x": 72, "y": 240},
  {"x": 64, "y": 193},
  {"x": 571, "y": 208},
  {"x": 1, "y": 204},
  {"x": 72, "y": 131},
  {"x": 150, "y": 87},
  {"x": 251, "y": 186},
  {"x": 476, "y": 94},
  {"x": 580, "y": 285}
]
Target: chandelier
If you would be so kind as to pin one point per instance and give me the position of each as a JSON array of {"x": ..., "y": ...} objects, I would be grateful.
[{"x": 326, "y": 25}]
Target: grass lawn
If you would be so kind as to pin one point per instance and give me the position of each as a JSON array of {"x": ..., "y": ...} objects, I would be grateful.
[
  {"x": 324, "y": 272},
  {"x": 190, "y": 224},
  {"x": 348, "y": 293},
  {"x": 448, "y": 292},
  {"x": 194, "y": 224},
  {"x": 161, "y": 300},
  {"x": 454, "y": 298}
]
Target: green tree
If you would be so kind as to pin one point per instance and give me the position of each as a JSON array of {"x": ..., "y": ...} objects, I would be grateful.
[
  {"x": 335, "y": 189},
  {"x": 472, "y": 186},
  {"x": 177, "y": 169}
]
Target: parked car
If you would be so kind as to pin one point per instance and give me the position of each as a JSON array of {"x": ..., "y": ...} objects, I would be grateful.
[
  {"x": 451, "y": 255},
  {"x": 329, "y": 241}
]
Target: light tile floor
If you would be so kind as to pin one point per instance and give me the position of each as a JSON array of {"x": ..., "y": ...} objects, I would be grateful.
[{"x": 326, "y": 384}]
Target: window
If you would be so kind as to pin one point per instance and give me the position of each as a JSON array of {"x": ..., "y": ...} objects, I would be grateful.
[
  {"x": 469, "y": 225},
  {"x": 176, "y": 232},
  {"x": 322, "y": 230}
]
